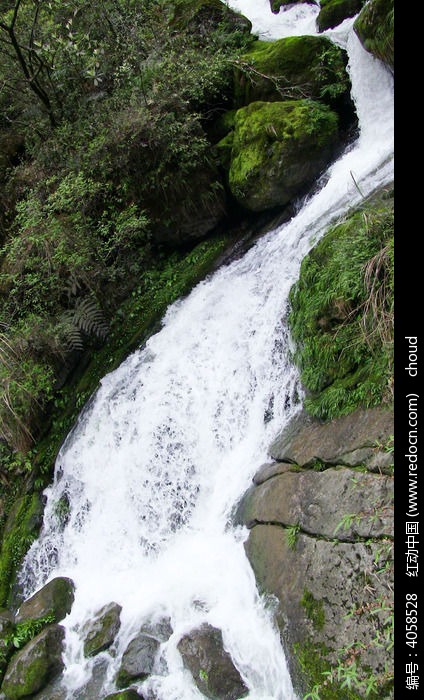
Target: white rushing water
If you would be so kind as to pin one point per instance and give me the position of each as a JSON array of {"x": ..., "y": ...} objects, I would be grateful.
[{"x": 157, "y": 462}]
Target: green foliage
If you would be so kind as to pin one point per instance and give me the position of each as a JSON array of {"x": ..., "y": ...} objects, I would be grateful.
[
  {"x": 292, "y": 532},
  {"x": 27, "y": 630},
  {"x": 342, "y": 314},
  {"x": 115, "y": 160}
]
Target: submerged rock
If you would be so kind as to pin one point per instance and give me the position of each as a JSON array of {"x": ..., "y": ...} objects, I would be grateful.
[
  {"x": 100, "y": 633},
  {"x": 39, "y": 662},
  {"x": 334, "y": 12},
  {"x": 279, "y": 148},
  {"x": 277, "y": 4},
  {"x": 375, "y": 29},
  {"x": 55, "y": 599},
  {"x": 210, "y": 665},
  {"x": 160, "y": 629},
  {"x": 138, "y": 660}
]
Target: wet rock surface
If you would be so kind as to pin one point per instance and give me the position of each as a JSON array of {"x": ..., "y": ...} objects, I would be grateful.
[
  {"x": 211, "y": 666},
  {"x": 100, "y": 633}
]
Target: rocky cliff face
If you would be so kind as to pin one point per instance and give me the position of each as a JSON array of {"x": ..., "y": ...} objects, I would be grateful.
[{"x": 321, "y": 543}]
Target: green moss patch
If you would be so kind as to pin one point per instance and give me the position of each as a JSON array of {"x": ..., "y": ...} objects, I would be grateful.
[
  {"x": 293, "y": 67},
  {"x": 375, "y": 29},
  {"x": 278, "y": 149},
  {"x": 312, "y": 660},
  {"x": 342, "y": 314},
  {"x": 314, "y": 609},
  {"x": 20, "y": 531},
  {"x": 333, "y": 12}
]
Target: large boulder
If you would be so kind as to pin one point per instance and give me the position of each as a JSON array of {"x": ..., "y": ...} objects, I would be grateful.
[
  {"x": 292, "y": 68},
  {"x": 375, "y": 29},
  {"x": 278, "y": 149},
  {"x": 35, "y": 665},
  {"x": 358, "y": 439},
  {"x": 55, "y": 600},
  {"x": 99, "y": 633},
  {"x": 333, "y": 12},
  {"x": 210, "y": 665},
  {"x": 138, "y": 660}
]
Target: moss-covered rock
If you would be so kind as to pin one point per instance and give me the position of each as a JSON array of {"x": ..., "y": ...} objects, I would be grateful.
[
  {"x": 333, "y": 12},
  {"x": 205, "y": 16},
  {"x": 375, "y": 29},
  {"x": 293, "y": 67},
  {"x": 54, "y": 600},
  {"x": 342, "y": 313},
  {"x": 35, "y": 665},
  {"x": 99, "y": 633},
  {"x": 20, "y": 531},
  {"x": 278, "y": 150}
]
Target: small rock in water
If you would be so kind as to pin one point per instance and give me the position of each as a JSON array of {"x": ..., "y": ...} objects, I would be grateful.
[{"x": 138, "y": 660}]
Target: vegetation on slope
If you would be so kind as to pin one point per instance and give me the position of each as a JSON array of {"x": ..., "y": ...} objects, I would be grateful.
[
  {"x": 342, "y": 313},
  {"x": 104, "y": 108}
]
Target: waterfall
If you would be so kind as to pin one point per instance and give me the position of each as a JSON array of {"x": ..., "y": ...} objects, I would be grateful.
[{"x": 169, "y": 443}]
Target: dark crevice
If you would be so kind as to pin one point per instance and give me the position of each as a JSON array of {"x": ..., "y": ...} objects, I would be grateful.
[{"x": 324, "y": 538}]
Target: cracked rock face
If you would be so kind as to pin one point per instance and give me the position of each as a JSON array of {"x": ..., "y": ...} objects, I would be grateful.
[{"x": 321, "y": 542}]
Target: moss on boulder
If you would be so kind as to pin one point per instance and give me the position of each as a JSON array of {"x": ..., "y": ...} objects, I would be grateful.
[
  {"x": 54, "y": 600},
  {"x": 35, "y": 665},
  {"x": 278, "y": 149},
  {"x": 333, "y": 12},
  {"x": 293, "y": 67},
  {"x": 342, "y": 313},
  {"x": 99, "y": 633},
  {"x": 20, "y": 531},
  {"x": 375, "y": 29}
]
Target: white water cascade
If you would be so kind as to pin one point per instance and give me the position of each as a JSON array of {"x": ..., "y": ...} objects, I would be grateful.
[{"x": 163, "y": 452}]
